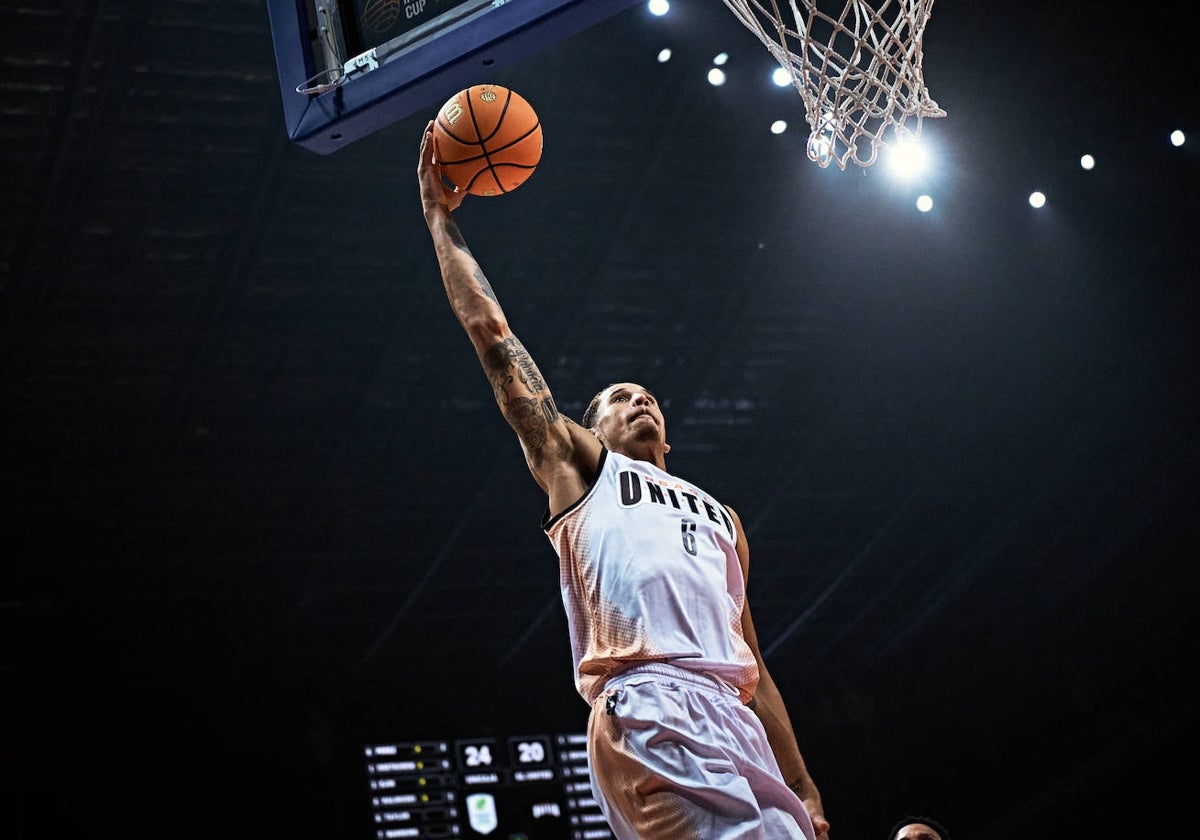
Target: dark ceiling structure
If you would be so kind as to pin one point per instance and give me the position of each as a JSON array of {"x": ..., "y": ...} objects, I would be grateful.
[{"x": 262, "y": 509}]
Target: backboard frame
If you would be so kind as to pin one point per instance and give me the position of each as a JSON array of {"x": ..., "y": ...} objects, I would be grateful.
[{"x": 390, "y": 82}]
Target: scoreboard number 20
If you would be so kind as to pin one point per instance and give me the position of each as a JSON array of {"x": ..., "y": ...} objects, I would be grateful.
[{"x": 531, "y": 752}]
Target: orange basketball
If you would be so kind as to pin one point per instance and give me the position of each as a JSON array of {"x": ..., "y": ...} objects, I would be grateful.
[{"x": 487, "y": 139}]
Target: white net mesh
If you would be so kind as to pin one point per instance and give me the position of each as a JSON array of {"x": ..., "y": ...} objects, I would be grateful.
[{"x": 857, "y": 69}]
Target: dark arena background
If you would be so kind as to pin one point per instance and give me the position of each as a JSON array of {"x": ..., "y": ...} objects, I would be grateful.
[{"x": 265, "y": 532}]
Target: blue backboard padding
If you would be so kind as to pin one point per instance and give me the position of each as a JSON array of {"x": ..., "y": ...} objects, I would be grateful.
[{"x": 424, "y": 75}]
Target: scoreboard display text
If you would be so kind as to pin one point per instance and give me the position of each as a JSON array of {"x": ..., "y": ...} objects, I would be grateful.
[{"x": 523, "y": 787}]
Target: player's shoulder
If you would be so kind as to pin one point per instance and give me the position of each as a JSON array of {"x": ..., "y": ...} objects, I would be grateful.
[{"x": 586, "y": 450}]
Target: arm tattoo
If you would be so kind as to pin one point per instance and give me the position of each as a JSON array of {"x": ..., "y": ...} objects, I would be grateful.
[
  {"x": 496, "y": 364},
  {"x": 528, "y": 415},
  {"x": 456, "y": 236},
  {"x": 529, "y": 371},
  {"x": 527, "y": 422},
  {"x": 484, "y": 285},
  {"x": 502, "y": 357},
  {"x": 461, "y": 244}
]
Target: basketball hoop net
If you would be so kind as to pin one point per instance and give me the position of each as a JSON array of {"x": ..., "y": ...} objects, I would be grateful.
[{"x": 859, "y": 72}]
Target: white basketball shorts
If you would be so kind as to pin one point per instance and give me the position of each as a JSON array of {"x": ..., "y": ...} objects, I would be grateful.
[{"x": 675, "y": 755}]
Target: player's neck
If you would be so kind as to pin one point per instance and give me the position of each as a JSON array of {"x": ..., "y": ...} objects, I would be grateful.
[{"x": 648, "y": 452}]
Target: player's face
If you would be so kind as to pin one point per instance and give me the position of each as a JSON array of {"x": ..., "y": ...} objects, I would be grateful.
[{"x": 629, "y": 413}]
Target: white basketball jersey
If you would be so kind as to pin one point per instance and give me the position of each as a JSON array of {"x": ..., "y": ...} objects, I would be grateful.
[{"x": 649, "y": 572}]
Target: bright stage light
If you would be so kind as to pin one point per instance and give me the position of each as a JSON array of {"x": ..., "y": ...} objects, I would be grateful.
[{"x": 907, "y": 158}]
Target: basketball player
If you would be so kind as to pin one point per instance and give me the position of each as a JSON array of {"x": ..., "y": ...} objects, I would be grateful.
[
  {"x": 688, "y": 737},
  {"x": 918, "y": 828}
]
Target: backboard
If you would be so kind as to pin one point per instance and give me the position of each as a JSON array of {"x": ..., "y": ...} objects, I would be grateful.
[{"x": 348, "y": 68}]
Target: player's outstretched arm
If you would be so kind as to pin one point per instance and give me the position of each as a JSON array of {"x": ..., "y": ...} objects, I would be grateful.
[{"x": 556, "y": 449}]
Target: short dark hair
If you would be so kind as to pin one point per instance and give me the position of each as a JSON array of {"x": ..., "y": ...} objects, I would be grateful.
[
  {"x": 942, "y": 831},
  {"x": 593, "y": 409}
]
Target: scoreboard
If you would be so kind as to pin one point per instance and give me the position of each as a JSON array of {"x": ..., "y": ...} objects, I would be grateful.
[{"x": 522, "y": 787}]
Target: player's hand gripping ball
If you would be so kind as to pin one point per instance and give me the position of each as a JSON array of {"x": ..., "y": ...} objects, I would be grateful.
[{"x": 487, "y": 139}]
